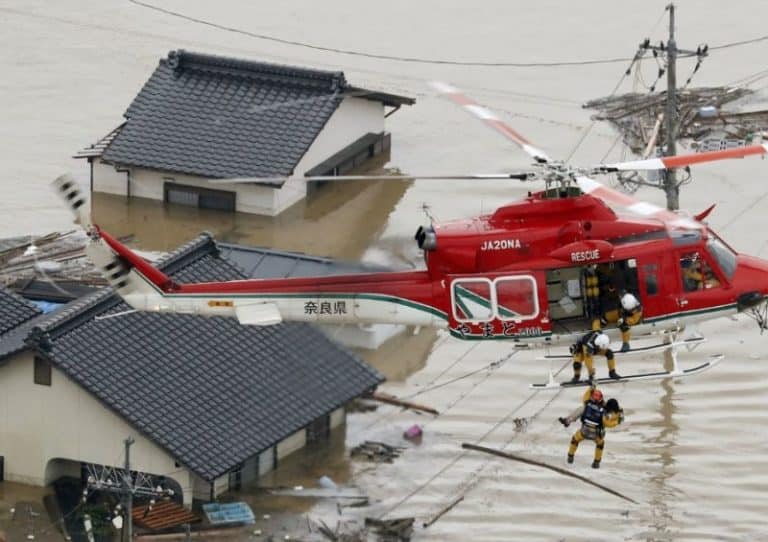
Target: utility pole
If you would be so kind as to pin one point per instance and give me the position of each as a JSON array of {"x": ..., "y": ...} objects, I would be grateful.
[
  {"x": 126, "y": 484},
  {"x": 128, "y": 489},
  {"x": 671, "y": 122},
  {"x": 670, "y": 179}
]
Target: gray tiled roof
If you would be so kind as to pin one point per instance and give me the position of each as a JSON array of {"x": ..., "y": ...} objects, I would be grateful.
[
  {"x": 211, "y": 392},
  {"x": 221, "y": 117},
  {"x": 14, "y": 341},
  {"x": 269, "y": 263},
  {"x": 14, "y": 310}
]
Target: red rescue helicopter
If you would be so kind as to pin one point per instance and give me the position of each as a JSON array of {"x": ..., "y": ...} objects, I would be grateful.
[{"x": 516, "y": 274}]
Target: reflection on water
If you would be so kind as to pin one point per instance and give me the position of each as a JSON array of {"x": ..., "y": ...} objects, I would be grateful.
[
  {"x": 402, "y": 355},
  {"x": 664, "y": 445},
  {"x": 339, "y": 219}
]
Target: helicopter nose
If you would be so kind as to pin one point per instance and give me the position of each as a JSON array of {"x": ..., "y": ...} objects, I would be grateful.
[{"x": 751, "y": 279}]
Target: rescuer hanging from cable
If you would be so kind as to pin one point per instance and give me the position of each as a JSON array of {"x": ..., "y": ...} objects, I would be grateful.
[
  {"x": 593, "y": 343},
  {"x": 596, "y": 415}
]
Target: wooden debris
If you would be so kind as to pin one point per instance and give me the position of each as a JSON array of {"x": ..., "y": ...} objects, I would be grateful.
[
  {"x": 637, "y": 118},
  {"x": 378, "y": 452},
  {"x": 392, "y": 529},
  {"x": 506, "y": 455},
  {"x": 163, "y": 515},
  {"x": 392, "y": 400},
  {"x": 442, "y": 512}
]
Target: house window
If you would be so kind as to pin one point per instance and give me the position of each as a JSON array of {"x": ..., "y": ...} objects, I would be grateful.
[
  {"x": 42, "y": 371},
  {"x": 195, "y": 196}
]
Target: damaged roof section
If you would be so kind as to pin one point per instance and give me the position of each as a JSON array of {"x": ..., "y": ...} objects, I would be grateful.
[
  {"x": 221, "y": 117},
  {"x": 209, "y": 391}
]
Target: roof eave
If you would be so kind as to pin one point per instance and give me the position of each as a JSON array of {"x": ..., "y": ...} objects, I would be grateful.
[{"x": 391, "y": 100}]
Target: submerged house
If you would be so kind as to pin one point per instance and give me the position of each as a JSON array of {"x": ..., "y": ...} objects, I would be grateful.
[
  {"x": 211, "y": 404},
  {"x": 202, "y": 117}
]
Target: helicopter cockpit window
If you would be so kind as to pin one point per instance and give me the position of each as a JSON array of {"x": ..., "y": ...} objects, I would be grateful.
[
  {"x": 696, "y": 273},
  {"x": 516, "y": 298},
  {"x": 472, "y": 300},
  {"x": 723, "y": 255}
]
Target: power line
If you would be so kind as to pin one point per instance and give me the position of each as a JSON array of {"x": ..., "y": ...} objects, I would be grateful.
[
  {"x": 376, "y": 55},
  {"x": 417, "y": 60}
]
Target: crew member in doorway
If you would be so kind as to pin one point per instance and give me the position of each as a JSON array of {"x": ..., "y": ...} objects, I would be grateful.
[
  {"x": 692, "y": 276},
  {"x": 596, "y": 415},
  {"x": 630, "y": 314},
  {"x": 592, "y": 296},
  {"x": 593, "y": 343}
]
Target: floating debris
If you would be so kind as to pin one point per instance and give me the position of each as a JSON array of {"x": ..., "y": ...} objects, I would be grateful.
[
  {"x": 521, "y": 424},
  {"x": 701, "y": 113},
  {"x": 392, "y": 400},
  {"x": 392, "y": 529},
  {"x": 378, "y": 452}
]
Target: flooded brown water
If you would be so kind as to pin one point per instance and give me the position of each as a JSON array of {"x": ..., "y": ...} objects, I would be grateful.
[{"x": 693, "y": 453}]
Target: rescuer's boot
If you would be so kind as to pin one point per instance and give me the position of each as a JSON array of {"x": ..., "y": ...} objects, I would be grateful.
[
  {"x": 570, "y": 458},
  {"x": 613, "y": 374},
  {"x": 596, "y": 464}
]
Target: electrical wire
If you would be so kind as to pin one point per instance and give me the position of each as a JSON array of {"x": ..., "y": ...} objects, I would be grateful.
[
  {"x": 463, "y": 453},
  {"x": 351, "y": 52},
  {"x": 377, "y": 56}
]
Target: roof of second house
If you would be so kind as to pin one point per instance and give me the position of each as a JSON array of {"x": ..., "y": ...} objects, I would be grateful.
[
  {"x": 266, "y": 263},
  {"x": 222, "y": 117},
  {"x": 14, "y": 310},
  {"x": 208, "y": 390}
]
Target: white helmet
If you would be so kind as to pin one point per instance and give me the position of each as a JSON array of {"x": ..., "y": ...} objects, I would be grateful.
[
  {"x": 629, "y": 302},
  {"x": 602, "y": 341}
]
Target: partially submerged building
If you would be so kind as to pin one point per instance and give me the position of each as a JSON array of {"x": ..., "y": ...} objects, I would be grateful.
[
  {"x": 211, "y": 404},
  {"x": 203, "y": 117}
]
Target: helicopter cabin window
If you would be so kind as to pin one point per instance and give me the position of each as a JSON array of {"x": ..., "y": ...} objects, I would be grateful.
[
  {"x": 516, "y": 298},
  {"x": 472, "y": 300},
  {"x": 696, "y": 273}
]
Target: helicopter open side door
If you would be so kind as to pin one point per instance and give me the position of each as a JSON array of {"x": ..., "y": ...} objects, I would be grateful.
[{"x": 503, "y": 306}]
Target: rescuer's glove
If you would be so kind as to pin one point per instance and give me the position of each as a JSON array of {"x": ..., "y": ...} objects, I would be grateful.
[{"x": 565, "y": 421}]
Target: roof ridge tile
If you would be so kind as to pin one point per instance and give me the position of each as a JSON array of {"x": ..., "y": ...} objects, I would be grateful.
[{"x": 180, "y": 60}]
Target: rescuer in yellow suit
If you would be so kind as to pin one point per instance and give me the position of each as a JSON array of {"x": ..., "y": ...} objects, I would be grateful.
[
  {"x": 630, "y": 314},
  {"x": 593, "y": 343},
  {"x": 596, "y": 415}
]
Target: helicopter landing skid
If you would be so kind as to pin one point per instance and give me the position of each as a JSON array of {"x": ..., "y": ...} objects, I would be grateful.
[
  {"x": 690, "y": 344},
  {"x": 675, "y": 373}
]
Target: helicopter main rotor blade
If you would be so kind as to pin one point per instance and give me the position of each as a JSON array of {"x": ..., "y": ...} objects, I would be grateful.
[
  {"x": 683, "y": 160},
  {"x": 334, "y": 178},
  {"x": 635, "y": 206},
  {"x": 490, "y": 118}
]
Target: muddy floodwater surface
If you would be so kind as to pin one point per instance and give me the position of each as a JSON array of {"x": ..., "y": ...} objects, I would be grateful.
[{"x": 692, "y": 453}]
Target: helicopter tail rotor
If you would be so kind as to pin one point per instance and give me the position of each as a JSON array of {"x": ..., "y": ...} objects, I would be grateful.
[{"x": 69, "y": 191}]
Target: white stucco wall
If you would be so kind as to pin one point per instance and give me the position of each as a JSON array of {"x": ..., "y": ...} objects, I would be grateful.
[
  {"x": 338, "y": 417},
  {"x": 354, "y": 118},
  {"x": 63, "y": 421},
  {"x": 107, "y": 179},
  {"x": 291, "y": 444}
]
